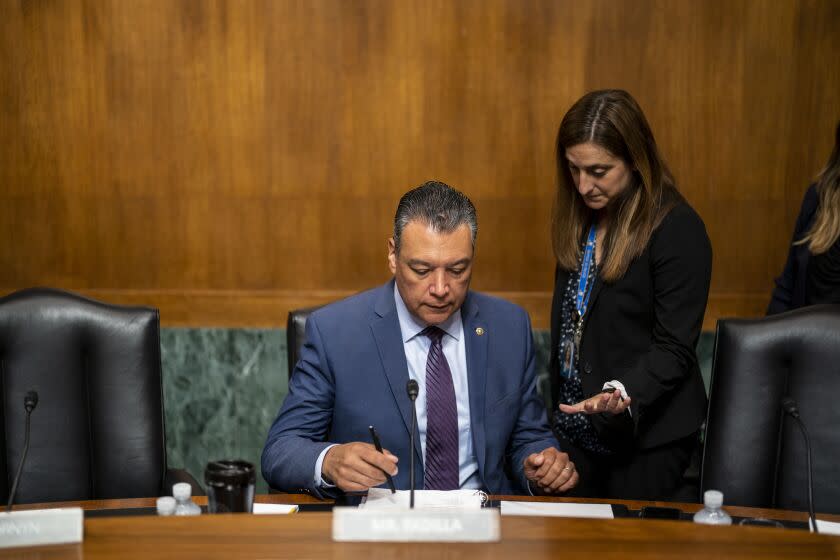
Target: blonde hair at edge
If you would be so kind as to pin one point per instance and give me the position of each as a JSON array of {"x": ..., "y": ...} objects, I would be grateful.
[
  {"x": 612, "y": 120},
  {"x": 826, "y": 228}
]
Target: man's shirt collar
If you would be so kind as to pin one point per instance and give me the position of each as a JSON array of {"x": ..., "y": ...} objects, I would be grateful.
[{"x": 411, "y": 326}]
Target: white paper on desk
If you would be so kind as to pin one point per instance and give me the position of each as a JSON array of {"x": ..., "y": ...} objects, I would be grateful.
[
  {"x": 826, "y": 527},
  {"x": 262, "y": 509},
  {"x": 553, "y": 509},
  {"x": 382, "y": 498}
]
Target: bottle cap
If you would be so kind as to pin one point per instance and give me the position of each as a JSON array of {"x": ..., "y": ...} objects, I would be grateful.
[
  {"x": 181, "y": 491},
  {"x": 713, "y": 498},
  {"x": 166, "y": 505}
]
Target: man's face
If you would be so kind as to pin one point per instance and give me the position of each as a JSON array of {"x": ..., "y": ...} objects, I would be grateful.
[{"x": 432, "y": 270}]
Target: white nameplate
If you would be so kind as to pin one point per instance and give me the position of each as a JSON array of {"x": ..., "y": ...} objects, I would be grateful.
[
  {"x": 41, "y": 526},
  {"x": 416, "y": 525}
]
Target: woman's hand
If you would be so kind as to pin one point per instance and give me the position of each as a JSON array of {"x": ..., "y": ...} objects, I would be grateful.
[{"x": 610, "y": 403}]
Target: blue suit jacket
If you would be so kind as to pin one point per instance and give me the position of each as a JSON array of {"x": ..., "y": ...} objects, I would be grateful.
[{"x": 352, "y": 373}]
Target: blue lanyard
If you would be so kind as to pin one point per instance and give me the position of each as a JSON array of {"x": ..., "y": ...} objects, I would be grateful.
[{"x": 584, "y": 290}]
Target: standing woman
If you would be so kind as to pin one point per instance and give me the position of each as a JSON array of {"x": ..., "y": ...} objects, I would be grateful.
[
  {"x": 632, "y": 279},
  {"x": 812, "y": 271}
]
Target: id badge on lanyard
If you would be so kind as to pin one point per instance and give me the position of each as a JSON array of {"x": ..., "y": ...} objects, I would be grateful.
[{"x": 570, "y": 344}]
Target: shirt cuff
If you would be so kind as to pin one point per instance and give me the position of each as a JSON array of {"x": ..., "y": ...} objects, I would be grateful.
[
  {"x": 318, "y": 479},
  {"x": 618, "y": 386}
]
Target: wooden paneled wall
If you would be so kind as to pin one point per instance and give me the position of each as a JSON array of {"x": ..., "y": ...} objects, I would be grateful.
[{"x": 229, "y": 160}]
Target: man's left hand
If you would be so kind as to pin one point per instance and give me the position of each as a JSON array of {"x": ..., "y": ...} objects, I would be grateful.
[{"x": 551, "y": 471}]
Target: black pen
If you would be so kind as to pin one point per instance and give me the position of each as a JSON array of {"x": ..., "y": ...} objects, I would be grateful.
[{"x": 378, "y": 446}]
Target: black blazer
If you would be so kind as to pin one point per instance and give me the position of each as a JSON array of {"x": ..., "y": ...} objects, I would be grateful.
[
  {"x": 791, "y": 287},
  {"x": 643, "y": 329}
]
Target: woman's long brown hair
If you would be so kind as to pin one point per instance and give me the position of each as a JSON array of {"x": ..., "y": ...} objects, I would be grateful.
[
  {"x": 826, "y": 228},
  {"x": 612, "y": 120}
]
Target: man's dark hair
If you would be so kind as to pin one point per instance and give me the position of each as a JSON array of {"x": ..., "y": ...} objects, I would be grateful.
[{"x": 438, "y": 206}]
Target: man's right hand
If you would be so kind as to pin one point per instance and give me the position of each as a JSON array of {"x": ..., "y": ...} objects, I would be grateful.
[{"x": 356, "y": 467}]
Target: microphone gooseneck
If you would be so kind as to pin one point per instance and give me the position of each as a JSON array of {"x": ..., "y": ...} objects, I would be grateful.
[
  {"x": 790, "y": 408},
  {"x": 412, "y": 389},
  {"x": 30, "y": 401}
]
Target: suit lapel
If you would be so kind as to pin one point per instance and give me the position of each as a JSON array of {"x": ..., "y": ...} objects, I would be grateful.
[
  {"x": 476, "y": 348},
  {"x": 593, "y": 297},
  {"x": 386, "y": 332}
]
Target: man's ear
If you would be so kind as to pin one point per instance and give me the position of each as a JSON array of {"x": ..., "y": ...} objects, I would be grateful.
[{"x": 392, "y": 255}]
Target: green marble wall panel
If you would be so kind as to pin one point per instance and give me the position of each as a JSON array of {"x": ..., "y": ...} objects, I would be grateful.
[{"x": 222, "y": 389}]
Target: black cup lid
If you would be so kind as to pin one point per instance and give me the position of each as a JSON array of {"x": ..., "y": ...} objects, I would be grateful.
[{"x": 221, "y": 473}]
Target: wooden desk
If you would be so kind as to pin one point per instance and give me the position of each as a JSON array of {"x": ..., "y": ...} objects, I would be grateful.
[{"x": 307, "y": 535}]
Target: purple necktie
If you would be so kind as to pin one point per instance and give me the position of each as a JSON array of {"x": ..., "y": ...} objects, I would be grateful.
[{"x": 441, "y": 472}]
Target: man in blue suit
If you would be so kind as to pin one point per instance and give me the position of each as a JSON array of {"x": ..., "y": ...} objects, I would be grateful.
[{"x": 480, "y": 422}]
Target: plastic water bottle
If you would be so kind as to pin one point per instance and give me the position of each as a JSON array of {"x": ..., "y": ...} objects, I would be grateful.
[
  {"x": 712, "y": 514},
  {"x": 184, "y": 505},
  {"x": 166, "y": 505}
]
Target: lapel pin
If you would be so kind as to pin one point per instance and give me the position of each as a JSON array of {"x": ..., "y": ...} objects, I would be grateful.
[{"x": 479, "y": 331}]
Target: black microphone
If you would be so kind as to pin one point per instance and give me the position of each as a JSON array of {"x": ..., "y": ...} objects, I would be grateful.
[
  {"x": 790, "y": 408},
  {"x": 30, "y": 401},
  {"x": 413, "y": 389}
]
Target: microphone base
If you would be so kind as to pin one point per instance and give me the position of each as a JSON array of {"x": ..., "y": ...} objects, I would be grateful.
[{"x": 39, "y": 527}]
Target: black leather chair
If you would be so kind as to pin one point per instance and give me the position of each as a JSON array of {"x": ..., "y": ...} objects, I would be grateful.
[
  {"x": 753, "y": 452},
  {"x": 295, "y": 338},
  {"x": 97, "y": 431},
  {"x": 296, "y": 334}
]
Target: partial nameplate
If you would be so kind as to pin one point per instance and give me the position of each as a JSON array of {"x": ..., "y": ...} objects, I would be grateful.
[
  {"x": 416, "y": 525},
  {"x": 825, "y": 527},
  {"x": 557, "y": 509},
  {"x": 41, "y": 527}
]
